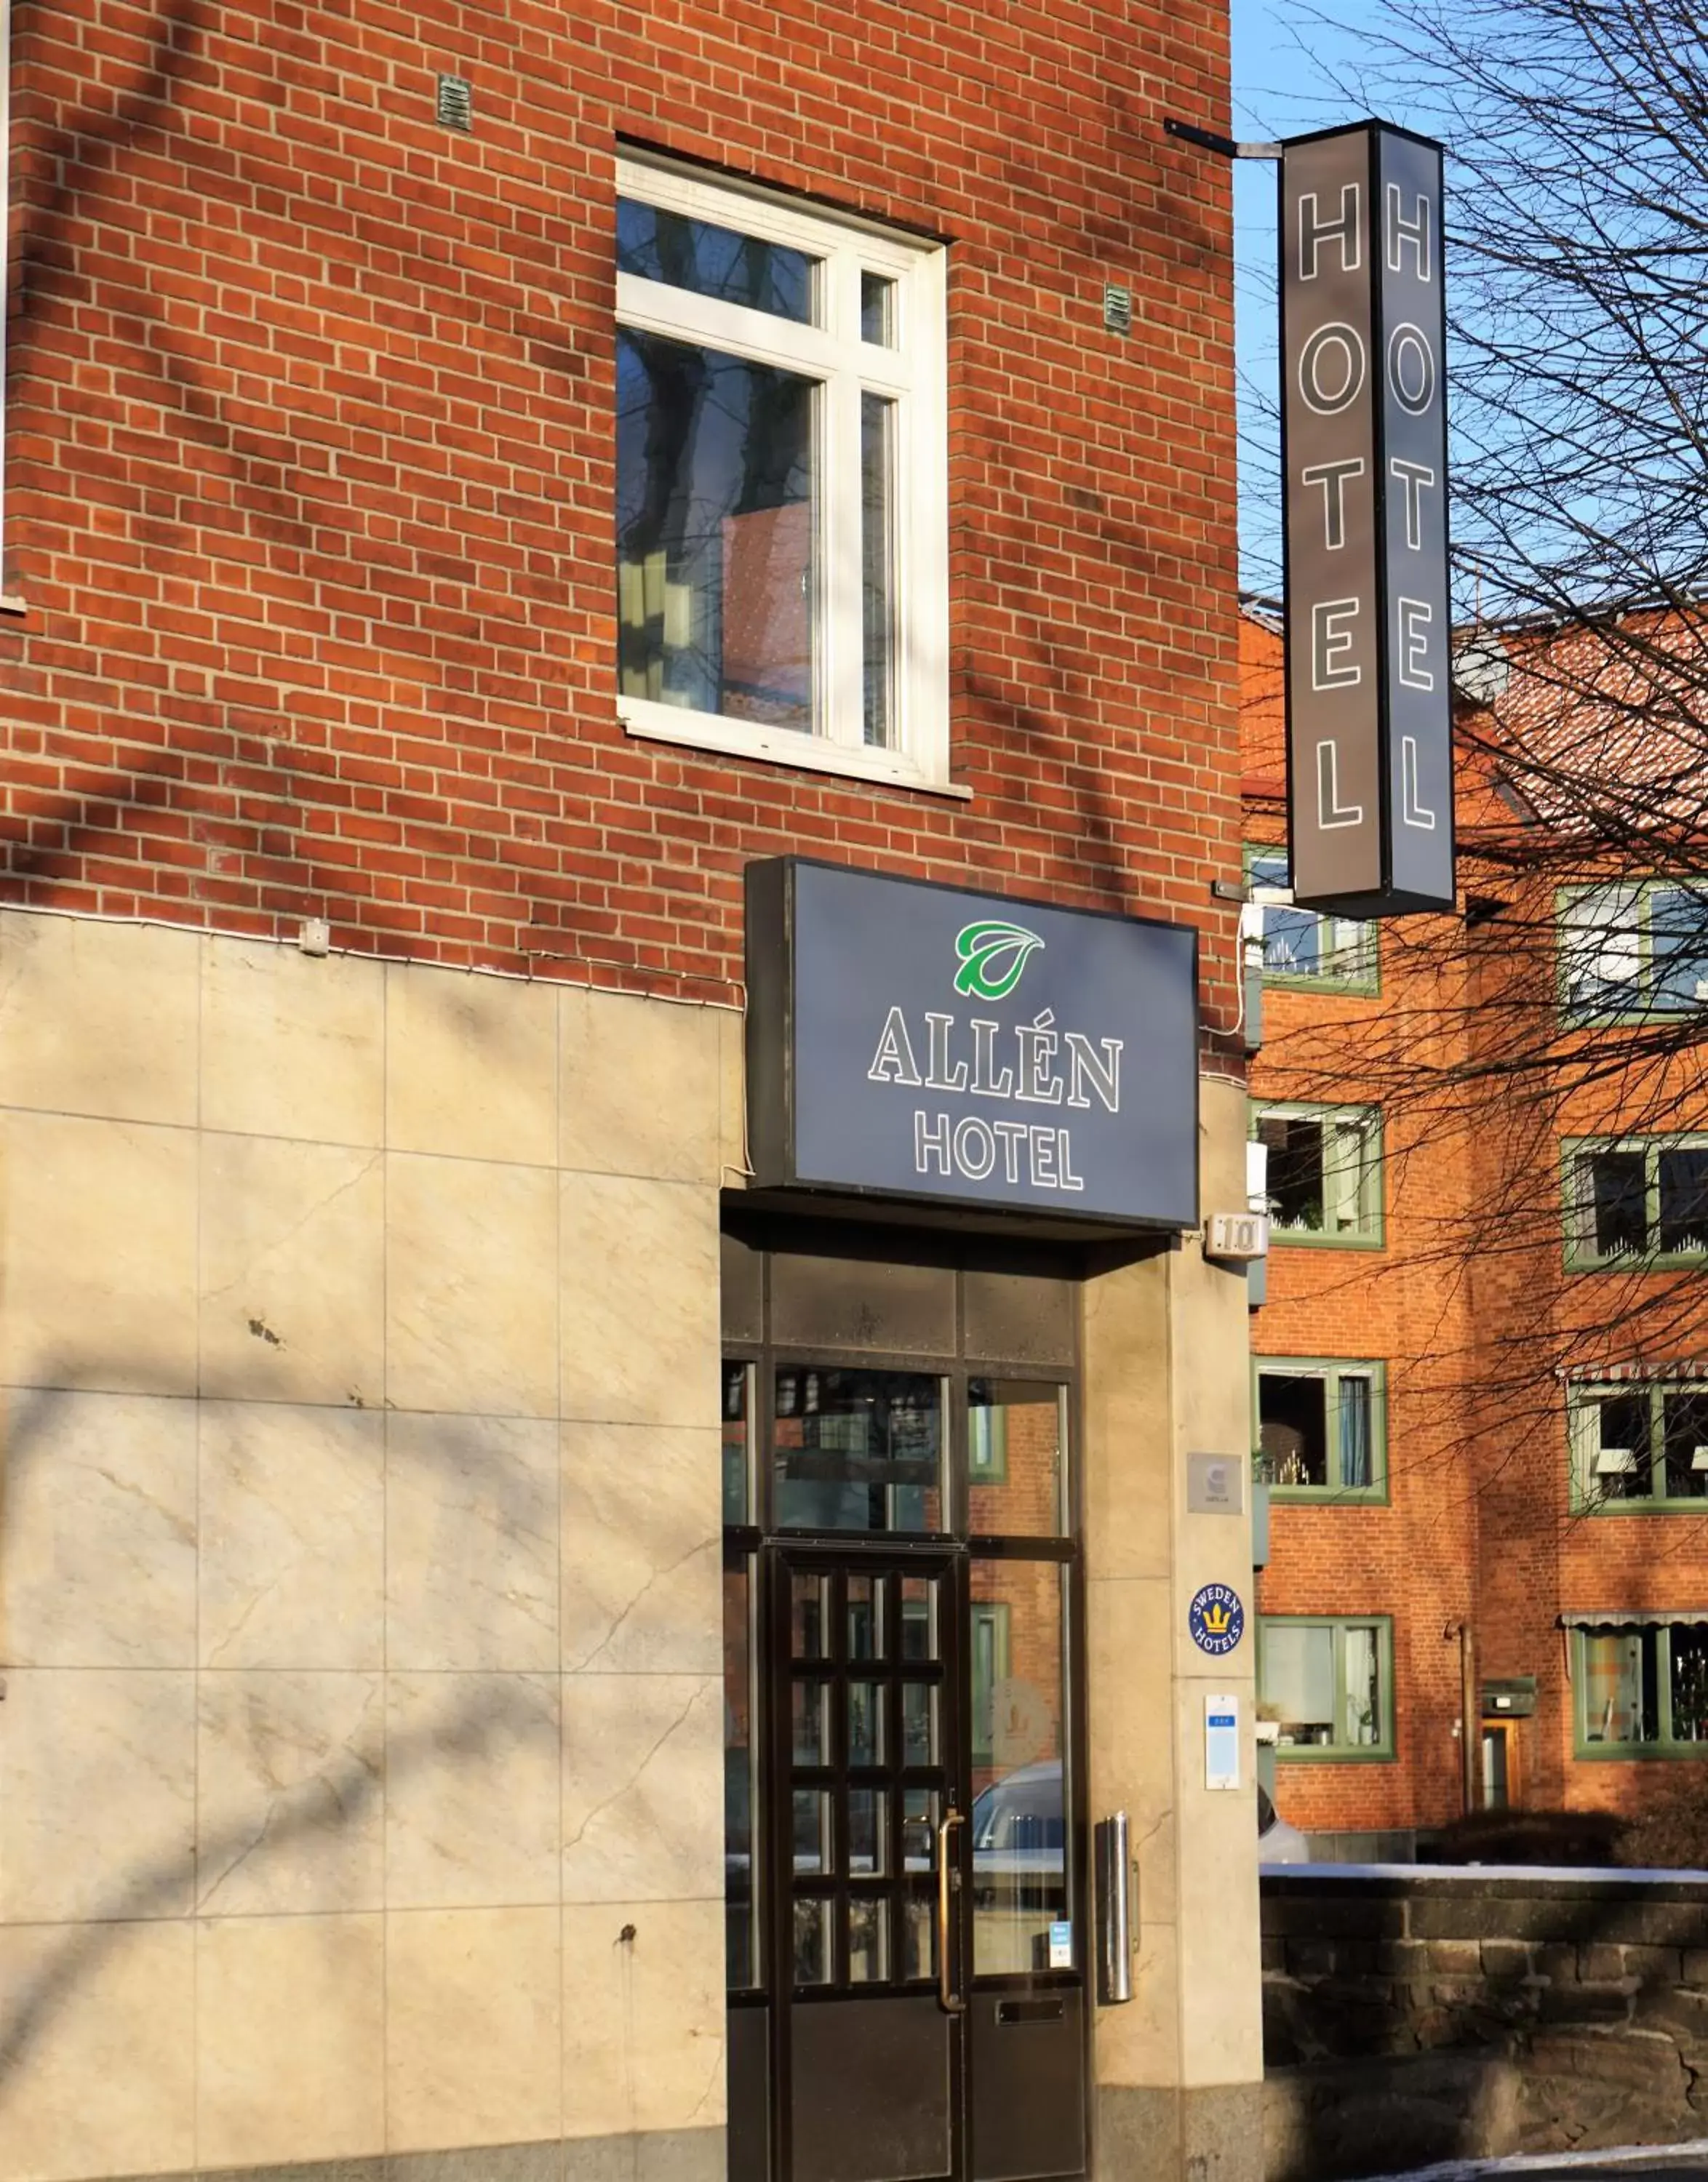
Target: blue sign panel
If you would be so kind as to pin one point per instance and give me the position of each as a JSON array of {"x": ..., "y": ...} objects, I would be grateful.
[
  {"x": 1216, "y": 1619},
  {"x": 924, "y": 1041}
]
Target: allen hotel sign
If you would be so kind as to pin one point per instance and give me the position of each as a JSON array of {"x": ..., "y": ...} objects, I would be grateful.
[
  {"x": 929, "y": 1044},
  {"x": 1364, "y": 452}
]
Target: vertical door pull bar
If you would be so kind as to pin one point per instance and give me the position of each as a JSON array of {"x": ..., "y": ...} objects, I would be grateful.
[{"x": 949, "y": 2000}]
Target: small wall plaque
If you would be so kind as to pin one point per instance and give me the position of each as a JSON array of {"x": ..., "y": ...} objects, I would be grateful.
[{"x": 1215, "y": 1485}]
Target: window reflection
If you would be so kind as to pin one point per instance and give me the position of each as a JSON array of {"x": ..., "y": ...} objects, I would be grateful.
[
  {"x": 857, "y": 1450},
  {"x": 1019, "y": 1804},
  {"x": 1016, "y": 1436},
  {"x": 739, "y": 1757}
]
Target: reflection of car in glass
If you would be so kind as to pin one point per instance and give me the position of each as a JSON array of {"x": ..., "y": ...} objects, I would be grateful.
[
  {"x": 1277, "y": 1841},
  {"x": 1019, "y": 1843}
]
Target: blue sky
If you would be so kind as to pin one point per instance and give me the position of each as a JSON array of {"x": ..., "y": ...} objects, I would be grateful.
[{"x": 1283, "y": 61}]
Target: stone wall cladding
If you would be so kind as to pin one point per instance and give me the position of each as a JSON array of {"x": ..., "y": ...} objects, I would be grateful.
[{"x": 1559, "y": 2011}]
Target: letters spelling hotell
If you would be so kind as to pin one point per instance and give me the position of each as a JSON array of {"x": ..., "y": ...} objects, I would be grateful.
[{"x": 1364, "y": 452}]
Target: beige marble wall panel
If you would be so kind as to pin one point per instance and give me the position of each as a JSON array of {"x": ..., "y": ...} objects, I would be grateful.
[
  {"x": 292, "y": 1045},
  {"x": 643, "y": 2018},
  {"x": 290, "y": 2039},
  {"x": 105, "y": 2082},
  {"x": 97, "y": 1237},
  {"x": 471, "y": 1065},
  {"x": 97, "y": 1811},
  {"x": 643, "y": 1787},
  {"x": 292, "y": 1270},
  {"x": 1221, "y": 1968},
  {"x": 1128, "y": 1620},
  {"x": 639, "y": 1301},
  {"x": 98, "y": 1018},
  {"x": 471, "y": 1790},
  {"x": 471, "y": 1303},
  {"x": 97, "y": 1544},
  {"x": 471, "y": 1542},
  {"x": 474, "y": 2012},
  {"x": 290, "y": 1783},
  {"x": 1140, "y": 2042},
  {"x": 734, "y": 1154},
  {"x": 292, "y": 1570},
  {"x": 1128, "y": 1422},
  {"x": 640, "y": 1087},
  {"x": 643, "y": 1516}
]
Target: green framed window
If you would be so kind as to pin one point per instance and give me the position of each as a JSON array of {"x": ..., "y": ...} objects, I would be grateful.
[
  {"x": 1330, "y": 1681},
  {"x": 1636, "y": 1200},
  {"x": 1637, "y": 1445},
  {"x": 1634, "y": 950},
  {"x": 1323, "y": 1173},
  {"x": 1640, "y": 1689},
  {"x": 988, "y": 1636},
  {"x": 1322, "y": 1427},
  {"x": 1304, "y": 946}
]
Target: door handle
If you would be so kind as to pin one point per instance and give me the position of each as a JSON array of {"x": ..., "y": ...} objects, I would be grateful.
[{"x": 948, "y": 1999}]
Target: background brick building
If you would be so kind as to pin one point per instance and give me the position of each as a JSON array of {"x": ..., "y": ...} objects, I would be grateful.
[{"x": 1524, "y": 1565}]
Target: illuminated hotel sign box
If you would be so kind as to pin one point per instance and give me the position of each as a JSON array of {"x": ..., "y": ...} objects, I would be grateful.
[
  {"x": 1364, "y": 453},
  {"x": 922, "y": 1042}
]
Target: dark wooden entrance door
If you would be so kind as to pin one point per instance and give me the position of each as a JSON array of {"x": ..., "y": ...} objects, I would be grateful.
[{"x": 868, "y": 1828}]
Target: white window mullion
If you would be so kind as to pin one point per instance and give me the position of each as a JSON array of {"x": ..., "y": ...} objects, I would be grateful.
[{"x": 840, "y": 536}]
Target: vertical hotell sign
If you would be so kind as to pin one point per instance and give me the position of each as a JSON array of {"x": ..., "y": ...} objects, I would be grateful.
[{"x": 1364, "y": 450}]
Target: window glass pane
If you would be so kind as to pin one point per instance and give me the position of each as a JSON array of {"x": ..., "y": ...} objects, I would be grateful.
[
  {"x": 1019, "y": 1800},
  {"x": 1684, "y": 1430},
  {"x": 736, "y": 1464},
  {"x": 877, "y": 567},
  {"x": 812, "y": 1830},
  {"x": 1619, "y": 1687},
  {"x": 1295, "y": 1171},
  {"x": 1683, "y": 1179},
  {"x": 857, "y": 1450},
  {"x": 1357, "y": 1471},
  {"x": 1678, "y": 946},
  {"x": 738, "y": 1776},
  {"x": 1292, "y": 1427},
  {"x": 1297, "y": 1672},
  {"x": 715, "y": 499},
  {"x": 1345, "y": 1179},
  {"x": 813, "y": 1934},
  {"x": 1611, "y": 1191},
  {"x": 1619, "y": 1453},
  {"x": 1291, "y": 940},
  {"x": 1689, "y": 1648},
  {"x": 1360, "y": 1681},
  {"x": 715, "y": 261},
  {"x": 878, "y": 309},
  {"x": 1601, "y": 944},
  {"x": 868, "y": 1942},
  {"x": 1350, "y": 945},
  {"x": 1015, "y": 1467}
]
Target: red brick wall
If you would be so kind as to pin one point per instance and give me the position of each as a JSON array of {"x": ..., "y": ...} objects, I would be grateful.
[{"x": 310, "y": 487}]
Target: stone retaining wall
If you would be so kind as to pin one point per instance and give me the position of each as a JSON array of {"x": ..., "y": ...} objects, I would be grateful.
[{"x": 1410, "y": 2016}]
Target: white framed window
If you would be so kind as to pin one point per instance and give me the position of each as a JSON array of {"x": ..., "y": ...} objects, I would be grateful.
[
  {"x": 1323, "y": 1173},
  {"x": 782, "y": 462}
]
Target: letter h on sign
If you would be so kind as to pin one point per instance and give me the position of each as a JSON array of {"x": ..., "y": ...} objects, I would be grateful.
[{"x": 1364, "y": 454}]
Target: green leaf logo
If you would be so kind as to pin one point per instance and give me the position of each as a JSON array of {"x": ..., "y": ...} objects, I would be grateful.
[{"x": 991, "y": 956}]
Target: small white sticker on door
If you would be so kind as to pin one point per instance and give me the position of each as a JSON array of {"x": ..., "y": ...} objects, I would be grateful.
[{"x": 1061, "y": 1945}]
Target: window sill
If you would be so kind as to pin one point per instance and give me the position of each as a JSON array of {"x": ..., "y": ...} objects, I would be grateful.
[
  {"x": 1325, "y": 1753},
  {"x": 1698, "y": 1507},
  {"x": 1638, "y": 1753},
  {"x": 704, "y": 731},
  {"x": 1332, "y": 1496},
  {"x": 1354, "y": 989},
  {"x": 1281, "y": 1238},
  {"x": 1671, "y": 1261}
]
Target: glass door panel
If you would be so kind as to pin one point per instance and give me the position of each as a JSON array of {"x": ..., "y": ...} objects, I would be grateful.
[
  {"x": 856, "y": 1450},
  {"x": 1016, "y": 1657}
]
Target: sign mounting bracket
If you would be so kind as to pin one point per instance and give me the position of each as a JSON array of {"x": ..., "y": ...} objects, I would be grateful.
[{"x": 1225, "y": 147}]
